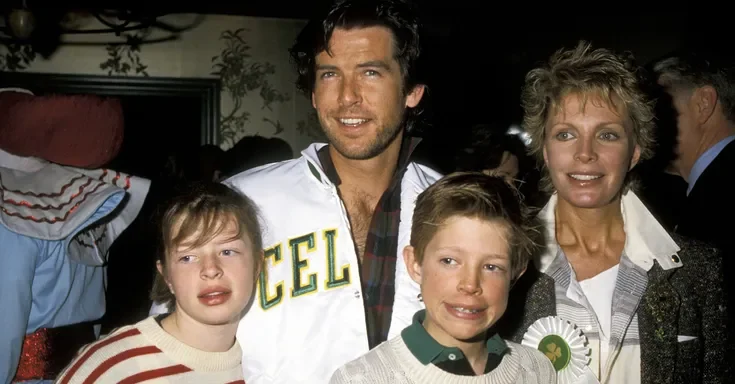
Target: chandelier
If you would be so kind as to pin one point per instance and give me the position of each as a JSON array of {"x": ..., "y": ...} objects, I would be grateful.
[{"x": 23, "y": 23}]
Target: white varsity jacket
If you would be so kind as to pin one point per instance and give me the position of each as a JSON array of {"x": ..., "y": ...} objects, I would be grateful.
[{"x": 308, "y": 318}]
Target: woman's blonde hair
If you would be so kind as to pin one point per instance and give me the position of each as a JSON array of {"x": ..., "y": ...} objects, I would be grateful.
[{"x": 587, "y": 72}]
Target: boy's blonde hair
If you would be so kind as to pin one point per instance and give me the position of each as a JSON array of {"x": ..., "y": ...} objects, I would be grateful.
[
  {"x": 206, "y": 209},
  {"x": 479, "y": 196}
]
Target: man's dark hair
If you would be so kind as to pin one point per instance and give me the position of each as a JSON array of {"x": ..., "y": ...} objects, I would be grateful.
[
  {"x": 487, "y": 143},
  {"x": 399, "y": 16},
  {"x": 686, "y": 70}
]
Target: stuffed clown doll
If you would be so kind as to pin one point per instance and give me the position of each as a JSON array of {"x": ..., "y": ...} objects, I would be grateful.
[{"x": 59, "y": 214}]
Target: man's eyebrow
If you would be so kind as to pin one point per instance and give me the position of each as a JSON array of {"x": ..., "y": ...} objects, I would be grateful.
[
  {"x": 324, "y": 67},
  {"x": 368, "y": 64},
  {"x": 375, "y": 64}
]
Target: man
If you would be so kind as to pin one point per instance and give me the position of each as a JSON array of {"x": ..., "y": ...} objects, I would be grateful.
[
  {"x": 703, "y": 94},
  {"x": 337, "y": 218},
  {"x": 702, "y": 90}
]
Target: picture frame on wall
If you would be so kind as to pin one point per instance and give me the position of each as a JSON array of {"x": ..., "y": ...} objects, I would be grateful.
[
  {"x": 163, "y": 116},
  {"x": 206, "y": 91}
]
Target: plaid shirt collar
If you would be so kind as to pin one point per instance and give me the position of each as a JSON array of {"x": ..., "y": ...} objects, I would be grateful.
[
  {"x": 378, "y": 269},
  {"x": 404, "y": 158}
]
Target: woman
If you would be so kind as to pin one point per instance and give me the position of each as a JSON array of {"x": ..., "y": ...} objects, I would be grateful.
[
  {"x": 629, "y": 303},
  {"x": 212, "y": 254}
]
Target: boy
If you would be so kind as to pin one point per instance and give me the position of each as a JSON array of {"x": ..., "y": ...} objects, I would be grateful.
[{"x": 469, "y": 244}]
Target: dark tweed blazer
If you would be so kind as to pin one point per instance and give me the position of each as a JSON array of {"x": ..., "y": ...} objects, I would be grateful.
[{"x": 688, "y": 300}]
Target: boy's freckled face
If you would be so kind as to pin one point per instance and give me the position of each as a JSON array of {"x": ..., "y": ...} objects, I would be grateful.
[{"x": 465, "y": 278}]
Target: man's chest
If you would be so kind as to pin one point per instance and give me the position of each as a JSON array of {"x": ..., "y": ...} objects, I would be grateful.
[
  {"x": 310, "y": 291},
  {"x": 360, "y": 213},
  {"x": 705, "y": 216}
]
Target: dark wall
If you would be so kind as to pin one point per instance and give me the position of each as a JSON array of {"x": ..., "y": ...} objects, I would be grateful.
[{"x": 476, "y": 58}]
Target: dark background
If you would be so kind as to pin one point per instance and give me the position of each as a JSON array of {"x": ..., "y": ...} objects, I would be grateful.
[{"x": 476, "y": 56}]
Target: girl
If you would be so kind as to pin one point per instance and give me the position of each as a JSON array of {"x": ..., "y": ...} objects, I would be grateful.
[{"x": 212, "y": 254}]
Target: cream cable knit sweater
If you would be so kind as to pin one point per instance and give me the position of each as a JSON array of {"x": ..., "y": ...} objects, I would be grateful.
[{"x": 393, "y": 363}]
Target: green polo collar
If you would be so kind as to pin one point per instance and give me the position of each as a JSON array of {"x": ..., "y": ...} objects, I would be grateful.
[{"x": 427, "y": 350}]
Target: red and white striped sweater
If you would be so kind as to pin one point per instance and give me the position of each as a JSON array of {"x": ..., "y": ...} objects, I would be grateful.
[{"x": 144, "y": 352}]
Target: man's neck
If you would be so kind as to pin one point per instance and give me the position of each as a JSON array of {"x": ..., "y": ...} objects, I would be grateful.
[
  {"x": 712, "y": 135},
  {"x": 209, "y": 338},
  {"x": 371, "y": 175}
]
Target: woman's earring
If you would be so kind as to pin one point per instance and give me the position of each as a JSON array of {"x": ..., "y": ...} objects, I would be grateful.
[{"x": 421, "y": 298}]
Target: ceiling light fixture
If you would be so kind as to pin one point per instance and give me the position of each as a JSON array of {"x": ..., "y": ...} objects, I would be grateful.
[{"x": 21, "y": 22}]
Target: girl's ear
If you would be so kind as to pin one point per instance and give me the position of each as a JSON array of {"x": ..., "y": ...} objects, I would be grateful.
[{"x": 159, "y": 267}]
